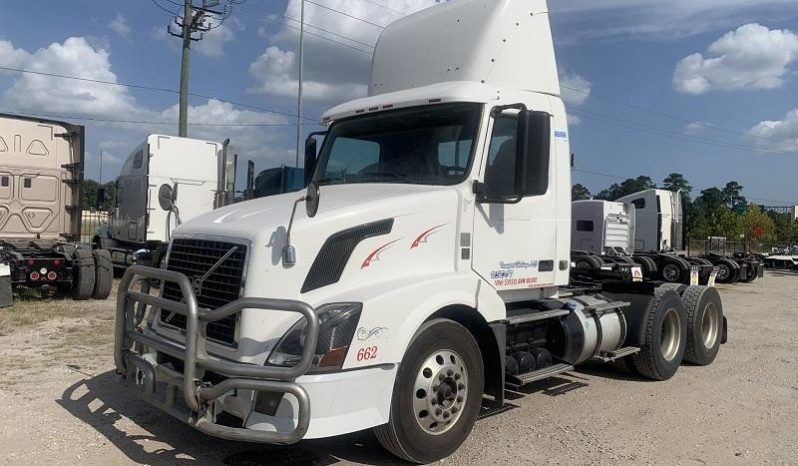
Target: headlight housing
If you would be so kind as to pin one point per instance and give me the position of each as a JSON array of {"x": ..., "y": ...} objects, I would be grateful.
[{"x": 337, "y": 326}]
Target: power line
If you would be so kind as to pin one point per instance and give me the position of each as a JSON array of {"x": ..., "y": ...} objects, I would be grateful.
[
  {"x": 672, "y": 117},
  {"x": 164, "y": 8},
  {"x": 318, "y": 35},
  {"x": 669, "y": 134},
  {"x": 148, "y": 88},
  {"x": 346, "y": 14},
  {"x": 271, "y": 17},
  {"x": 164, "y": 123},
  {"x": 398, "y": 12}
]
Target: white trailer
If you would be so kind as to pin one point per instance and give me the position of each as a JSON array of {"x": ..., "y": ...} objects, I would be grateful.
[
  {"x": 426, "y": 265},
  {"x": 603, "y": 227},
  {"x": 198, "y": 175}
]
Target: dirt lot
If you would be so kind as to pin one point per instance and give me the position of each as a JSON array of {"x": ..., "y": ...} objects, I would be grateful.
[{"x": 62, "y": 404}]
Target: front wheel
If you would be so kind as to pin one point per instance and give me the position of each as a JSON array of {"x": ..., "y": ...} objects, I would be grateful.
[{"x": 437, "y": 394}]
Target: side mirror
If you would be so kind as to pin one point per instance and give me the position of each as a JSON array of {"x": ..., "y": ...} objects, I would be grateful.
[
  {"x": 521, "y": 153},
  {"x": 312, "y": 199},
  {"x": 167, "y": 196},
  {"x": 310, "y": 158}
]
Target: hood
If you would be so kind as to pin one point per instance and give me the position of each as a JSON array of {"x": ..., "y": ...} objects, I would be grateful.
[{"x": 248, "y": 220}]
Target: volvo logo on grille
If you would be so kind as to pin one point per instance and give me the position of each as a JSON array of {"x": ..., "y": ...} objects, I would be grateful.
[{"x": 197, "y": 282}]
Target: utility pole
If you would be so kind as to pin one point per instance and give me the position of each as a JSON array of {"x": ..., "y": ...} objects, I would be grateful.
[
  {"x": 299, "y": 145},
  {"x": 188, "y": 20},
  {"x": 192, "y": 24}
]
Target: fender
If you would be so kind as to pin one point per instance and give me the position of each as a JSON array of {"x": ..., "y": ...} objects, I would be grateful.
[{"x": 393, "y": 313}]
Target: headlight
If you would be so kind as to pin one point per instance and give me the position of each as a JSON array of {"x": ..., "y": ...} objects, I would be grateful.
[{"x": 337, "y": 325}]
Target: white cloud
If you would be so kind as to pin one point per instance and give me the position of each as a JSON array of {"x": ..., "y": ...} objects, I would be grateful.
[
  {"x": 333, "y": 73},
  {"x": 576, "y": 91},
  {"x": 779, "y": 136},
  {"x": 276, "y": 74},
  {"x": 11, "y": 57},
  {"x": 74, "y": 57},
  {"x": 751, "y": 57},
  {"x": 695, "y": 128},
  {"x": 250, "y": 132},
  {"x": 119, "y": 26},
  {"x": 214, "y": 41}
]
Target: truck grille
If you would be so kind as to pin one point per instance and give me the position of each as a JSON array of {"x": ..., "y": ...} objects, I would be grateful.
[{"x": 193, "y": 258}]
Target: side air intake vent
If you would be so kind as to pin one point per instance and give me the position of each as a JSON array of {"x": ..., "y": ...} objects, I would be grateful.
[{"x": 334, "y": 254}]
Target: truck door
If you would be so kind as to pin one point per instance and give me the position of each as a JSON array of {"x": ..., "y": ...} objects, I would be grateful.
[
  {"x": 128, "y": 220},
  {"x": 515, "y": 242}
]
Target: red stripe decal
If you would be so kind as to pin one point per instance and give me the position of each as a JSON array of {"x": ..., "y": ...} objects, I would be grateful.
[
  {"x": 422, "y": 238},
  {"x": 374, "y": 256}
]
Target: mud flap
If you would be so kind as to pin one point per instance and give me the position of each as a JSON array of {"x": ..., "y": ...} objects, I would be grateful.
[{"x": 725, "y": 336}]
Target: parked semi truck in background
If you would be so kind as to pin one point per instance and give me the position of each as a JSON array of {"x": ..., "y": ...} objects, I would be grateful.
[
  {"x": 659, "y": 235},
  {"x": 197, "y": 176},
  {"x": 41, "y": 176},
  {"x": 426, "y": 265}
]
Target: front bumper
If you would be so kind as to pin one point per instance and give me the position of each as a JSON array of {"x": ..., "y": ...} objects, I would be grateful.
[{"x": 187, "y": 394}]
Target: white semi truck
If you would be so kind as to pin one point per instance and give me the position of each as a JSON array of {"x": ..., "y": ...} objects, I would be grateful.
[
  {"x": 41, "y": 189},
  {"x": 659, "y": 236},
  {"x": 197, "y": 176},
  {"x": 426, "y": 265}
]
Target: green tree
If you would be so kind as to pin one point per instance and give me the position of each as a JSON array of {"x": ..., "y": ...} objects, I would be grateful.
[
  {"x": 754, "y": 219},
  {"x": 733, "y": 197},
  {"x": 90, "y": 190},
  {"x": 629, "y": 186},
  {"x": 677, "y": 182},
  {"x": 580, "y": 193}
]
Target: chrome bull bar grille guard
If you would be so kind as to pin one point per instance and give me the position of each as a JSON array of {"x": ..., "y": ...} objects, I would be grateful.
[{"x": 199, "y": 397}]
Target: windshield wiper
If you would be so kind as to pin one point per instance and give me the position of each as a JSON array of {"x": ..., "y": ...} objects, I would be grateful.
[{"x": 404, "y": 178}]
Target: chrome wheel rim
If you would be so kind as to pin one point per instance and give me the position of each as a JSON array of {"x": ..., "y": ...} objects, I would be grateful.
[
  {"x": 440, "y": 392},
  {"x": 710, "y": 325},
  {"x": 670, "y": 335}
]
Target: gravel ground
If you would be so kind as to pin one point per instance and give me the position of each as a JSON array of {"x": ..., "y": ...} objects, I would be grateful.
[{"x": 63, "y": 406}]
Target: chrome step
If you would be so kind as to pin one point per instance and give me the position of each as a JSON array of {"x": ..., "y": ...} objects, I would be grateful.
[
  {"x": 520, "y": 380},
  {"x": 613, "y": 355},
  {"x": 535, "y": 316}
]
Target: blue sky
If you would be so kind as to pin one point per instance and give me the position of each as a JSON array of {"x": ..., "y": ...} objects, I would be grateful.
[{"x": 707, "y": 88}]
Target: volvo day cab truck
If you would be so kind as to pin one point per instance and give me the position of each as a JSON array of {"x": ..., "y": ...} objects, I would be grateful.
[
  {"x": 195, "y": 176},
  {"x": 41, "y": 176},
  {"x": 425, "y": 266}
]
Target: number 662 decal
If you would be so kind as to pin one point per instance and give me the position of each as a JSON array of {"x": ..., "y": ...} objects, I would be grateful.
[{"x": 367, "y": 353}]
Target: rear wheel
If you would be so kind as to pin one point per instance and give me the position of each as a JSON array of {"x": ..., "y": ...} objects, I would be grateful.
[
  {"x": 648, "y": 265},
  {"x": 437, "y": 394},
  {"x": 83, "y": 274},
  {"x": 104, "y": 274},
  {"x": 704, "y": 311},
  {"x": 665, "y": 339},
  {"x": 675, "y": 271},
  {"x": 588, "y": 263},
  {"x": 727, "y": 272}
]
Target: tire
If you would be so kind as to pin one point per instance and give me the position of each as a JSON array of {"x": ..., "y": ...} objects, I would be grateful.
[
  {"x": 661, "y": 355},
  {"x": 588, "y": 263},
  {"x": 649, "y": 266},
  {"x": 103, "y": 274},
  {"x": 675, "y": 271},
  {"x": 83, "y": 275},
  {"x": 677, "y": 287},
  {"x": 412, "y": 406},
  {"x": 752, "y": 273},
  {"x": 704, "y": 324},
  {"x": 728, "y": 271}
]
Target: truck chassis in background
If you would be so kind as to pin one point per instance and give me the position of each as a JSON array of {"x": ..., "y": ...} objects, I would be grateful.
[{"x": 41, "y": 209}]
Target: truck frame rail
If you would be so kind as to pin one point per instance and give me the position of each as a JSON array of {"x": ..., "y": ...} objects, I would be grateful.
[{"x": 136, "y": 349}]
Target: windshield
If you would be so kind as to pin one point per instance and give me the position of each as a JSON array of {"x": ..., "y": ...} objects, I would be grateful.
[{"x": 430, "y": 145}]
